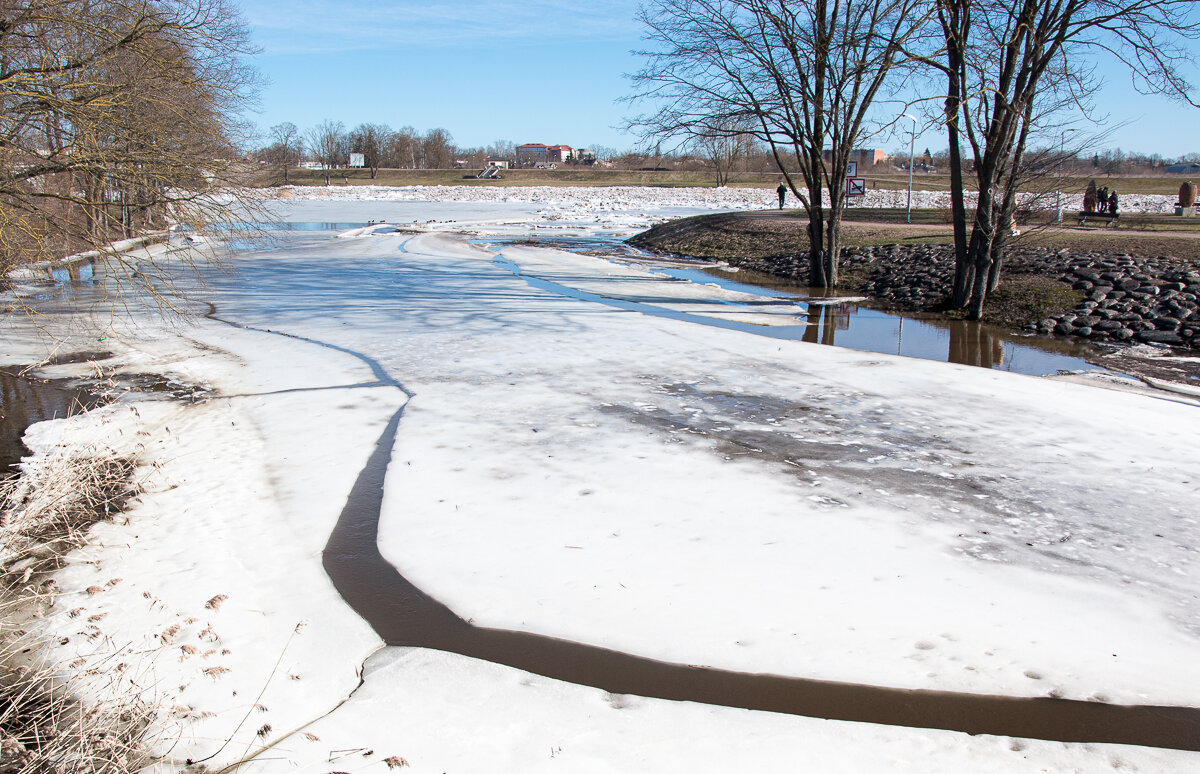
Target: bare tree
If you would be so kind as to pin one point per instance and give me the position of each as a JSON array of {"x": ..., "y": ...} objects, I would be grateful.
[
  {"x": 502, "y": 149},
  {"x": 286, "y": 146},
  {"x": 403, "y": 148},
  {"x": 1000, "y": 58},
  {"x": 438, "y": 146},
  {"x": 117, "y": 117},
  {"x": 325, "y": 142},
  {"x": 722, "y": 144},
  {"x": 603, "y": 152},
  {"x": 370, "y": 140},
  {"x": 803, "y": 74}
]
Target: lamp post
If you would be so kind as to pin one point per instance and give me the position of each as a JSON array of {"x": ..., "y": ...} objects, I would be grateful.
[
  {"x": 912, "y": 137},
  {"x": 1062, "y": 149}
]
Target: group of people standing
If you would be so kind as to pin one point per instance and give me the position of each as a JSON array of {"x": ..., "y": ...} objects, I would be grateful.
[{"x": 1101, "y": 201}]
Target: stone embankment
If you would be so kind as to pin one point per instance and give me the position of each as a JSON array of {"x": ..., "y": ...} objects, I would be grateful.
[{"x": 1125, "y": 297}]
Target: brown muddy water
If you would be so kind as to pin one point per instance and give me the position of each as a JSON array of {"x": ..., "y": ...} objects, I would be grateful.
[
  {"x": 403, "y": 615},
  {"x": 837, "y": 319},
  {"x": 25, "y": 400}
]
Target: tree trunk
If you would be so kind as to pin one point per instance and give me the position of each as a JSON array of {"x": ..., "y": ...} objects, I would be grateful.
[
  {"x": 954, "y": 26},
  {"x": 833, "y": 236},
  {"x": 979, "y": 253},
  {"x": 818, "y": 275},
  {"x": 962, "y": 272},
  {"x": 1006, "y": 216}
]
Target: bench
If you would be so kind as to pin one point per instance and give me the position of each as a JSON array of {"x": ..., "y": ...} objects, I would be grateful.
[{"x": 1108, "y": 218}]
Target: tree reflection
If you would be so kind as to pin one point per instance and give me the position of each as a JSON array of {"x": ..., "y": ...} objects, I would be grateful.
[
  {"x": 973, "y": 344},
  {"x": 824, "y": 320}
]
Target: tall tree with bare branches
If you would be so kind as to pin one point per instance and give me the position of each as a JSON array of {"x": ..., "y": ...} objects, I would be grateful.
[
  {"x": 117, "y": 117},
  {"x": 286, "y": 146},
  {"x": 722, "y": 145},
  {"x": 804, "y": 75},
  {"x": 370, "y": 141},
  {"x": 999, "y": 58},
  {"x": 325, "y": 141}
]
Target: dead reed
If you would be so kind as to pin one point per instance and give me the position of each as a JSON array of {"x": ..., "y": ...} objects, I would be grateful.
[
  {"x": 47, "y": 511},
  {"x": 91, "y": 715}
]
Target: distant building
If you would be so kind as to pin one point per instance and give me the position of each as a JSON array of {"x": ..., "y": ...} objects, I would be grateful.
[
  {"x": 531, "y": 153},
  {"x": 869, "y": 157},
  {"x": 1183, "y": 169},
  {"x": 499, "y": 163},
  {"x": 866, "y": 157},
  {"x": 559, "y": 153},
  {"x": 535, "y": 154}
]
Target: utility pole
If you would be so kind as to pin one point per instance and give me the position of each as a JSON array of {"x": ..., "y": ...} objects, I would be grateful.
[{"x": 912, "y": 138}]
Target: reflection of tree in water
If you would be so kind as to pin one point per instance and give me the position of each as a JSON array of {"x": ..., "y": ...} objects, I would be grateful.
[
  {"x": 970, "y": 342},
  {"x": 824, "y": 320},
  {"x": 973, "y": 344}
]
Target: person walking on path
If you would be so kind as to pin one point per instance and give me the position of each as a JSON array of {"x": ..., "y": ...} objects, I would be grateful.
[{"x": 782, "y": 191}]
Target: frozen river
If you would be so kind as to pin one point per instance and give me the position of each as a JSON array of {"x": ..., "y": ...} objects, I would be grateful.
[{"x": 665, "y": 486}]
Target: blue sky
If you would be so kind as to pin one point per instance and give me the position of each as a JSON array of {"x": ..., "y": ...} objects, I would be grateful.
[{"x": 534, "y": 71}]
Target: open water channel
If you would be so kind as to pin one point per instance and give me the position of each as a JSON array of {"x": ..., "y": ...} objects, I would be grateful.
[{"x": 838, "y": 319}]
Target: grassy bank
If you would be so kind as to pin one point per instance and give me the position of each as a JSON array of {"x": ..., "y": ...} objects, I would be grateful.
[
  {"x": 881, "y": 177},
  {"x": 767, "y": 234}
]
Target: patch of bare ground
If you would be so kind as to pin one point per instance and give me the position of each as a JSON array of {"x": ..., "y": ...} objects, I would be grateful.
[{"x": 1022, "y": 298}]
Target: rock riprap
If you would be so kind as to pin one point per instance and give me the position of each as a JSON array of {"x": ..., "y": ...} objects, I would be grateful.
[{"x": 1126, "y": 297}]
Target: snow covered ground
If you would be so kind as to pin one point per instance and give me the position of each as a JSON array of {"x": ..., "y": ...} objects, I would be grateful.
[
  {"x": 589, "y": 204},
  {"x": 635, "y": 481}
]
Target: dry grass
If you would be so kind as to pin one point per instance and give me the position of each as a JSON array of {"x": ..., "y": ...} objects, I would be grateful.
[
  {"x": 100, "y": 709},
  {"x": 89, "y": 716},
  {"x": 77, "y": 718},
  {"x": 46, "y": 512}
]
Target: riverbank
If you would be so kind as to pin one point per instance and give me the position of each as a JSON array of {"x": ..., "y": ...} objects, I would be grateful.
[
  {"x": 1110, "y": 286},
  {"x": 882, "y": 177}
]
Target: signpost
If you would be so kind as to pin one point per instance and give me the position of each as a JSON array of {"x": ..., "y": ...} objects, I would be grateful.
[{"x": 856, "y": 186}]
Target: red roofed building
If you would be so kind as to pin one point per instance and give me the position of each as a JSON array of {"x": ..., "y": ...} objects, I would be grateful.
[{"x": 559, "y": 153}]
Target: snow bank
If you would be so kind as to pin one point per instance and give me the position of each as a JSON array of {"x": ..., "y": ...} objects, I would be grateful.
[{"x": 616, "y": 198}]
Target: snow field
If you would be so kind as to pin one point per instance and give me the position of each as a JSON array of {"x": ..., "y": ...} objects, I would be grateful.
[{"x": 592, "y": 203}]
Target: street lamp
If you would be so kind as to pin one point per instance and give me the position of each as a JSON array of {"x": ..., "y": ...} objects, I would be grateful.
[
  {"x": 911, "y": 139},
  {"x": 1062, "y": 147}
]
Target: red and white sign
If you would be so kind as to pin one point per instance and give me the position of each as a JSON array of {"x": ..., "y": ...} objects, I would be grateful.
[{"x": 856, "y": 186}]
